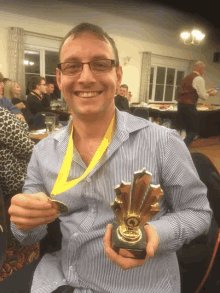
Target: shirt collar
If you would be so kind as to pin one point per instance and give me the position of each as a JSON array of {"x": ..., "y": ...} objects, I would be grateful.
[
  {"x": 125, "y": 124},
  {"x": 196, "y": 72}
]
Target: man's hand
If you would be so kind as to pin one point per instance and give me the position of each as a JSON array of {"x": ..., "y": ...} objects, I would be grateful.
[
  {"x": 20, "y": 116},
  {"x": 29, "y": 211},
  {"x": 20, "y": 105},
  {"x": 213, "y": 93},
  {"x": 210, "y": 90},
  {"x": 122, "y": 258}
]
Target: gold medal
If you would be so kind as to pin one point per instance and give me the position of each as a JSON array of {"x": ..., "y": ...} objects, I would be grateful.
[
  {"x": 63, "y": 209},
  {"x": 61, "y": 184}
]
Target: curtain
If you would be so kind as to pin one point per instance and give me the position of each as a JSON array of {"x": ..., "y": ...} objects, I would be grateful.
[
  {"x": 145, "y": 77},
  {"x": 16, "y": 57}
]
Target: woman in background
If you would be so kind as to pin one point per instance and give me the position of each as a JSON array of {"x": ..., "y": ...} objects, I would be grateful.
[{"x": 12, "y": 91}]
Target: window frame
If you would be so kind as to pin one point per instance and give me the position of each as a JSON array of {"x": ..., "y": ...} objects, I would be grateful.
[
  {"x": 41, "y": 50},
  {"x": 166, "y": 62}
]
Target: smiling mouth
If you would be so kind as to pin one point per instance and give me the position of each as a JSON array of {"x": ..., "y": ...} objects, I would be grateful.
[{"x": 87, "y": 94}]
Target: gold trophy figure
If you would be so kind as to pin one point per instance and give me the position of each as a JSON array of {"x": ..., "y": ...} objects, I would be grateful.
[{"x": 132, "y": 213}]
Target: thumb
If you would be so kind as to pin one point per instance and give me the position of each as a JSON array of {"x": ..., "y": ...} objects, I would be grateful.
[{"x": 152, "y": 240}]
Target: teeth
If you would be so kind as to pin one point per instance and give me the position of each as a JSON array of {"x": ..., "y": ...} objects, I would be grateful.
[{"x": 87, "y": 94}]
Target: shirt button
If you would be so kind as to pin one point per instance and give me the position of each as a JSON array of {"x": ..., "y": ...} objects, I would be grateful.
[
  {"x": 88, "y": 179},
  {"x": 71, "y": 267}
]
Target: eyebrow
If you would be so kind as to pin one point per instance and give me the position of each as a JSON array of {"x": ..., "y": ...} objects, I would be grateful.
[{"x": 75, "y": 59}]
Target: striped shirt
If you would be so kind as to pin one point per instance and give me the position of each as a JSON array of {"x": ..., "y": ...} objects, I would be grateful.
[{"x": 82, "y": 263}]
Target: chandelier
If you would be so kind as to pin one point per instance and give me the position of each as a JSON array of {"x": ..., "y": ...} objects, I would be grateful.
[{"x": 194, "y": 38}]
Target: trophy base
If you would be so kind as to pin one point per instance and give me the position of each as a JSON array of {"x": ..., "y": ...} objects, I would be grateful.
[{"x": 138, "y": 249}]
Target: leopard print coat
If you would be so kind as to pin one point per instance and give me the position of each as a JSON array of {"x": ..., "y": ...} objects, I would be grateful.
[{"x": 15, "y": 151}]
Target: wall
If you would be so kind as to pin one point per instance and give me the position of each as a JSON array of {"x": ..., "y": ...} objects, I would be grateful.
[
  {"x": 131, "y": 37},
  {"x": 212, "y": 69}
]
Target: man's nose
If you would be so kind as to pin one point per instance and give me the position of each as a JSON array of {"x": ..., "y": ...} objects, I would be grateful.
[{"x": 86, "y": 74}]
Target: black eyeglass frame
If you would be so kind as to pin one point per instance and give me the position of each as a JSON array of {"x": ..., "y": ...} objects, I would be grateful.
[{"x": 113, "y": 64}]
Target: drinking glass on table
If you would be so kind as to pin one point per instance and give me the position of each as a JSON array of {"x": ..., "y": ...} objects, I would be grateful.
[{"x": 50, "y": 122}]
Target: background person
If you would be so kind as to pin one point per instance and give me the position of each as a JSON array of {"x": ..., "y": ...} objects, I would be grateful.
[
  {"x": 12, "y": 91},
  {"x": 192, "y": 88},
  {"x": 121, "y": 101},
  {"x": 89, "y": 75},
  {"x": 6, "y": 103},
  {"x": 37, "y": 90},
  {"x": 48, "y": 97}
]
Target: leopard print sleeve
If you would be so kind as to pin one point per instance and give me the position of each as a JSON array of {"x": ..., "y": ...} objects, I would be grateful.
[{"x": 14, "y": 135}]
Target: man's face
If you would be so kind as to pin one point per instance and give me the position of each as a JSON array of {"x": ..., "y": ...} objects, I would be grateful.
[
  {"x": 123, "y": 92},
  {"x": 203, "y": 69},
  {"x": 50, "y": 88},
  {"x": 42, "y": 87},
  {"x": 88, "y": 93}
]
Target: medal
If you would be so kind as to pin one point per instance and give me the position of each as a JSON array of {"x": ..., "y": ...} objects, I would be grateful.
[
  {"x": 61, "y": 184},
  {"x": 63, "y": 209}
]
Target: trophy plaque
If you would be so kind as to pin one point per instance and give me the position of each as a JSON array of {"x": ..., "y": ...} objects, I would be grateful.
[{"x": 133, "y": 208}]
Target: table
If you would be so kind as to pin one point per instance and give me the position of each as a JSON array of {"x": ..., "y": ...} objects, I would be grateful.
[
  {"x": 209, "y": 117},
  {"x": 38, "y": 135}
]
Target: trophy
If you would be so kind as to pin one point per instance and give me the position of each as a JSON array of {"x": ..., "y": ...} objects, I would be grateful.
[{"x": 132, "y": 213}]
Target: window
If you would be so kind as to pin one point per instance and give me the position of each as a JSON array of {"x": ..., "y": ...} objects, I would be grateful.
[
  {"x": 165, "y": 78},
  {"x": 165, "y": 83},
  {"x": 42, "y": 62}
]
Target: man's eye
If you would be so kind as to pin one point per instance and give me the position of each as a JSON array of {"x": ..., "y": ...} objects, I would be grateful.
[{"x": 72, "y": 66}]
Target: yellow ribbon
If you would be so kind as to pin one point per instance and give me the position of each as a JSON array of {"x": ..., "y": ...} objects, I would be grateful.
[{"x": 61, "y": 183}]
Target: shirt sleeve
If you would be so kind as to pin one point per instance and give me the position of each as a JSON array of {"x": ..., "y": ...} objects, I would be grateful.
[
  {"x": 33, "y": 184},
  {"x": 188, "y": 214},
  {"x": 12, "y": 108},
  {"x": 199, "y": 85}
]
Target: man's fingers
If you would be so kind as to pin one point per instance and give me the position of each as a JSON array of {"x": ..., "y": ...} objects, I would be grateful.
[
  {"x": 32, "y": 213},
  {"x": 121, "y": 260},
  {"x": 32, "y": 201},
  {"x": 152, "y": 240},
  {"x": 35, "y": 222},
  {"x": 28, "y": 211}
]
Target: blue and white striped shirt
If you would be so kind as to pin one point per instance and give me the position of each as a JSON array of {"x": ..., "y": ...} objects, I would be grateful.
[{"x": 82, "y": 262}]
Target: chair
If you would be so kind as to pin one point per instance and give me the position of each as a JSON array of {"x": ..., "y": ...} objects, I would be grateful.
[
  {"x": 196, "y": 258},
  {"x": 3, "y": 230},
  {"x": 141, "y": 112}
]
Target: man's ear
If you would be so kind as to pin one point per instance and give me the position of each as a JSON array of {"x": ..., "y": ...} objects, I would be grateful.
[
  {"x": 119, "y": 74},
  {"x": 58, "y": 77}
]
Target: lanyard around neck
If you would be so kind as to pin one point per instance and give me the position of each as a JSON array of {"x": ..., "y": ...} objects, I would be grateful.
[{"x": 61, "y": 183}]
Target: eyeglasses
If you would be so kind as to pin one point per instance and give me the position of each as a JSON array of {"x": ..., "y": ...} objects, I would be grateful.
[{"x": 96, "y": 66}]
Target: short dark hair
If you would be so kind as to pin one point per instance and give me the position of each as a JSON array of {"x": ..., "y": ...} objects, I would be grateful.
[
  {"x": 96, "y": 31},
  {"x": 5, "y": 79},
  {"x": 34, "y": 81},
  {"x": 1, "y": 77},
  {"x": 49, "y": 82},
  {"x": 124, "y": 86}
]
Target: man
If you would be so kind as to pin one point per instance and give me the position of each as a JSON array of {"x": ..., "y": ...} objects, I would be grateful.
[
  {"x": 50, "y": 88},
  {"x": 48, "y": 97},
  {"x": 35, "y": 100},
  {"x": 192, "y": 88},
  {"x": 6, "y": 103},
  {"x": 88, "y": 75},
  {"x": 121, "y": 101}
]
